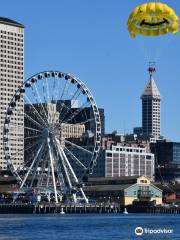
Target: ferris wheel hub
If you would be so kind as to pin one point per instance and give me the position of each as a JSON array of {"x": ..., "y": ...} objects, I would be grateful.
[{"x": 45, "y": 133}]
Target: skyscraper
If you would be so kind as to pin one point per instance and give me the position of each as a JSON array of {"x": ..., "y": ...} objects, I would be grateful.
[
  {"x": 11, "y": 77},
  {"x": 151, "y": 109}
]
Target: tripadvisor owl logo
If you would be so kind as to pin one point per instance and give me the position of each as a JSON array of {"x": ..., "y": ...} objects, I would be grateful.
[{"x": 139, "y": 231}]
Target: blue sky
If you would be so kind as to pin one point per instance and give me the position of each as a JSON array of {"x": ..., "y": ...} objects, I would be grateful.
[{"x": 89, "y": 38}]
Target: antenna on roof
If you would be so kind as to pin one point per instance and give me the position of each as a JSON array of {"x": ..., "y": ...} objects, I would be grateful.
[{"x": 151, "y": 68}]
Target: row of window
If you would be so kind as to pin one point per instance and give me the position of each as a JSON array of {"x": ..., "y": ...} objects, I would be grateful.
[
  {"x": 11, "y": 52},
  {"x": 11, "y": 43},
  {"x": 12, "y": 48},
  {"x": 12, "y": 62},
  {"x": 11, "y": 33},
  {"x": 12, "y": 76},
  {"x": 129, "y": 150},
  {"x": 10, "y": 66},
  {"x": 12, "y": 57},
  {"x": 11, "y": 38}
]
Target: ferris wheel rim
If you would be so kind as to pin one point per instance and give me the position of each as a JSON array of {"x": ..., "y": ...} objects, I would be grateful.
[{"x": 45, "y": 74}]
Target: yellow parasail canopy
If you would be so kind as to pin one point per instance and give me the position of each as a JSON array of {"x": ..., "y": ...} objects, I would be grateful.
[{"x": 152, "y": 19}]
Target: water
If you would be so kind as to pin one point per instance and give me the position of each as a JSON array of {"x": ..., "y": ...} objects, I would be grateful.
[{"x": 86, "y": 227}]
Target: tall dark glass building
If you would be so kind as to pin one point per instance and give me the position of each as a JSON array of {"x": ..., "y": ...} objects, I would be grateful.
[
  {"x": 151, "y": 110},
  {"x": 167, "y": 159}
]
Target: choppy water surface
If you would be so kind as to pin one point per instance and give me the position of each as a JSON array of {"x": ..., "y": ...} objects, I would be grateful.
[{"x": 87, "y": 227}]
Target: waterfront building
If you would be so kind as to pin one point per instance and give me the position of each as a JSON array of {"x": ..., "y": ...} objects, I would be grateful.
[
  {"x": 124, "y": 190},
  {"x": 151, "y": 109},
  {"x": 167, "y": 155},
  {"x": 84, "y": 157},
  {"x": 11, "y": 77},
  {"x": 124, "y": 160}
]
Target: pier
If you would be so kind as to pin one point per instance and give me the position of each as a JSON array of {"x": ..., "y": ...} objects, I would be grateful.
[
  {"x": 82, "y": 209},
  {"x": 57, "y": 208}
]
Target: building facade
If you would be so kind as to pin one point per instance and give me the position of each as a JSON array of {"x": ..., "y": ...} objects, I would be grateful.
[
  {"x": 11, "y": 77},
  {"x": 151, "y": 111},
  {"x": 124, "y": 160},
  {"x": 167, "y": 155},
  {"x": 124, "y": 190},
  {"x": 86, "y": 113}
]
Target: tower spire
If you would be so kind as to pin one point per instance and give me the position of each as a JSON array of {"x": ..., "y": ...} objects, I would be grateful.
[
  {"x": 152, "y": 68},
  {"x": 151, "y": 88},
  {"x": 151, "y": 107}
]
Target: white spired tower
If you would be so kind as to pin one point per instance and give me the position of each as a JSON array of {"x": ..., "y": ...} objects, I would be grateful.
[
  {"x": 151, "y": 109},
  {"x": 11, "y": 77}
]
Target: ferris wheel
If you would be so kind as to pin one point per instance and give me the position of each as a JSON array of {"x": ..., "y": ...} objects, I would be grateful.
[{"x": 52, "y": 135}]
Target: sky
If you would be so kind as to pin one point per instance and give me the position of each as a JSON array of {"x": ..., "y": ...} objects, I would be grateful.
[{"x": 89, "y": 39}]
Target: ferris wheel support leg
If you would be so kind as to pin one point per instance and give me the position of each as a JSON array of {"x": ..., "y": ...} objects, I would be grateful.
[
  {"x": 52, "y": 169},
  {"x": 69, "y": 165},
  {"x": 60, "y": 176},
  {"x": 74, "y": 175},
  {"x": 36, "y": 157},
  {"x": 84, "y": 196},
  {"x": 66, "y": 171}
]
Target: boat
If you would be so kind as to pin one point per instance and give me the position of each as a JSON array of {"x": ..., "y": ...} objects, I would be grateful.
[
  {"x": 62, "y": 211},
  {"x": 125, "y": 211}
]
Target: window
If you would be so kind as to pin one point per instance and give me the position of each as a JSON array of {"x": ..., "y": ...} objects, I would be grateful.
[{"x": 109, "y": 154}]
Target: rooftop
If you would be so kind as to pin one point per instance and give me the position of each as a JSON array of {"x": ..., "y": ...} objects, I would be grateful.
[
  {"x": 114, "y": 178},
  {"x": 151, "y": 89},
  {"x": 10, "y": 22},
  {"x": 107, "y": 188}
]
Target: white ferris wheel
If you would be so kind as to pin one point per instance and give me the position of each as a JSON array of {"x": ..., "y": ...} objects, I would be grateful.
[{"x": 60, "y": 135}]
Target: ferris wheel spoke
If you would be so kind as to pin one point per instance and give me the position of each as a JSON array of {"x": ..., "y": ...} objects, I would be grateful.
[
  {"x": 31, "y": 137},
  {"x": 32, "y": 164},
  {"x": 47, "y": 90},
  {"x": 32, "y": 129},
  {"x": 40, "y": 101},
  {"x": 62, "y": 98},
  {"x": 78, "y": 147},
  {"x": 69, "y": 109},
  {"x": 25, "y": 149},
  {"x": 76, "y": 95},
  {"x": 54, "y": 89},
  {"x": 33, "y": 121},
  {"x": 75, "y": 158},
  {"x": 66, "y": 89},
  {"x": 75, "y": 114},
  {"x": 37, "y": 164},
  {"x": 29, "y": 118},
  {"x": 57, "y": 90},
  {"x": 86, "y": 121},
  {"x": 38, "y": 114}
]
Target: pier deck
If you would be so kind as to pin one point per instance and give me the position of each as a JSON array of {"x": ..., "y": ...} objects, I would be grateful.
[{"x": 74, "y": 209}]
